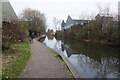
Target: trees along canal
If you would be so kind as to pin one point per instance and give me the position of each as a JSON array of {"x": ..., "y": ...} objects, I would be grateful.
[
  {"x": 93, "y": 31},
  {"x": 35, "y": 19}
]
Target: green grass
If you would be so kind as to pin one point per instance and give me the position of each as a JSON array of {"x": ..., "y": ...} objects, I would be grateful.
[
  {"x": 15, "y": 59},
  {"x": 0, "y": 75},
  {"x": 61, "y": 60},
  {"x": 66, "y": 67},
  {"x": 57, "y": 55}
]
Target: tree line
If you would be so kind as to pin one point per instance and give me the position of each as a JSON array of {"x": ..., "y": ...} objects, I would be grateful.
[
  {"x": 30, "y": 20},
  {"x": 93, "y": 31}
]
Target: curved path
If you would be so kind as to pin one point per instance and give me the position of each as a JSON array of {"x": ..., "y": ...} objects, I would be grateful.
[{"x": 43, "y": 64}]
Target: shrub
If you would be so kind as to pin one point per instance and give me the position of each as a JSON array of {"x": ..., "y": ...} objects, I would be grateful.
[{"x": 12, "y": 33}]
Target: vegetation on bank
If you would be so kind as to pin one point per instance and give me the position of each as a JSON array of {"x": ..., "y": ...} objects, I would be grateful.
[
  {"x": 62, "y": 61},
  {"x": 17, "y": 30},
  {"x": 15, "y": 48},
  {"x": 35, "y": 21},
  {"x": 15, "y": 59},
  {"x": 12, "y": 33},
  {"x": 56, "y": 55},
  {"x": 92, "y": 32}
]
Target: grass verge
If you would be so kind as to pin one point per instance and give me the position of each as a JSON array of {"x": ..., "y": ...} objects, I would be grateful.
[
  {"x": 15, "y": 59},
  {"x": 57, "y": 55},
  {"x": 62, "y": 61}
]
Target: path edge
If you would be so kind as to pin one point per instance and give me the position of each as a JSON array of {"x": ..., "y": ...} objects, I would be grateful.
[{"x": 67, "y": 62}]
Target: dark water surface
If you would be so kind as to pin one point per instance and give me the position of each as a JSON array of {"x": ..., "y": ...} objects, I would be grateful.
[{"x": 90, "y": 60}]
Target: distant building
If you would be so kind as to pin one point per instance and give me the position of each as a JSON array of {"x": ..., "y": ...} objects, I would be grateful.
[
  {"x": 70, "y": 22},
  {"x": 8, "y": 13},
  {"x": 115, "y": 24},
  {"x": 101, "y": 21},
  {"x": 62, "y": 26},
  {"x": 105, "y": 21}
]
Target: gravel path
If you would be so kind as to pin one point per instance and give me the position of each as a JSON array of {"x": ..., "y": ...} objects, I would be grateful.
[{"x": 43, "y": 64}]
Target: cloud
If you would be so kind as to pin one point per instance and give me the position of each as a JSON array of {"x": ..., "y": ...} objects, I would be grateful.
[{"x": 61, "y": 8}]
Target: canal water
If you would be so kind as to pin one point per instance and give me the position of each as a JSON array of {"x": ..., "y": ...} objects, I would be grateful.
[{"x": 90, "y": 60}]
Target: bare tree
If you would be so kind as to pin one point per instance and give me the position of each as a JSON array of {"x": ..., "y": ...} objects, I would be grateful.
[
  {"x": 57, "y": 23},
  {"x": 104, "y": 9},
  {"x": 35, "y": 19},
  {"x": 83, "y": 16},
  {"x": 107, "y": 9},
  {"x": 99, "y": 8}
]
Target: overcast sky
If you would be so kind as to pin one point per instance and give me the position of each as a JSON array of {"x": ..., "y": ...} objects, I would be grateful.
[{"x": 62, "y": 8}]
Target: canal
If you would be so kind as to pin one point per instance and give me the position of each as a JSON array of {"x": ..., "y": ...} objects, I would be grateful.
[{"x": 89, "y": 59}]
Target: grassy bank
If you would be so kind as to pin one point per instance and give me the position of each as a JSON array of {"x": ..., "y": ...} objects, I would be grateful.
[
  {"x": 62, "y": 61},
  {"x": 15, "y": 59}
]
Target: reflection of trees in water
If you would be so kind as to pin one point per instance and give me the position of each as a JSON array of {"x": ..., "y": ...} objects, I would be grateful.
[
  {"x": 58, "y": 38},
  {"x": 109, "y": 66},
  {"x": 95, "y": 51},
  {"x": 50, "y": 37},
  {"x": 62, "y": 46},
  {"x": 102, "y": 60},
  {"x": 106, "y": 66},
  {"x": 57, "y": 45},
  {"x": 67, "y": 49}
]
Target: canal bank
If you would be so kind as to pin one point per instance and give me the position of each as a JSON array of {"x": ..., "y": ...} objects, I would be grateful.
[
  {"x": 68, "y": 64},
  {"x": 90, "y": 60},
  {"x": 43, "y": 64}
]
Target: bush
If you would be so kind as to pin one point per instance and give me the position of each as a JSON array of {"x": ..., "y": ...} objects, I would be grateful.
[
  {"x": 12, "y": 33},
  {"x": 94, "y": 33}
]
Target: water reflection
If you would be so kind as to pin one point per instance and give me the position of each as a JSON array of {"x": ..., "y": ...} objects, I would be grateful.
[
  {"x": 50, "y": 37},
  {"x": 90, "y": 60}
]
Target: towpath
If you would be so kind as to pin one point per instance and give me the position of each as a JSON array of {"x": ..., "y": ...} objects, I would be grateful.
[{"x": 43, "y": 64}]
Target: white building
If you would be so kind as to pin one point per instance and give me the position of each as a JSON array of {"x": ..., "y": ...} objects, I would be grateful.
[
  {"x": 8, "y": 14},
  {"x": 70, "y": 22}
]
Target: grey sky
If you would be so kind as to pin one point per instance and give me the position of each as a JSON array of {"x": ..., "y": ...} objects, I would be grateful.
[{"x": 62, "y": 8}]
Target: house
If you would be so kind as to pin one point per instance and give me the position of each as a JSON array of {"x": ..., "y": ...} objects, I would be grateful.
[
  {"x": 8, "y": 13},
  {"x": 101, "y": 21},
  {"x": 107, "y": 21},
  {"x": 70, "y": 22},
  {"x": 104, "y": 21},
  {"x": 115, "y": 24}
]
